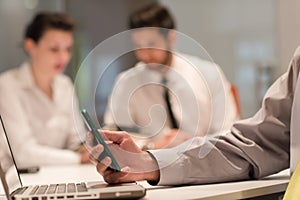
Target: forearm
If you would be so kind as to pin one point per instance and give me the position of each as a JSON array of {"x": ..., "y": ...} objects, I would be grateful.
[
  {"x": 189, "y": 163},
  {"x": 232, "y": 157},
  {"x": 151, "y": 175}
]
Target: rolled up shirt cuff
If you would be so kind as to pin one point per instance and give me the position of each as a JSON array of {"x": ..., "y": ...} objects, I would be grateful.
[{"x": 171, "y": 166}]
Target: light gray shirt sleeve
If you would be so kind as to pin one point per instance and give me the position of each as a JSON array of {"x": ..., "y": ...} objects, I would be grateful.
[{"x": 254, "y": 148}]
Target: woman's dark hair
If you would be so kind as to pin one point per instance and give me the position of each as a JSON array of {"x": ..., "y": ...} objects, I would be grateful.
[
  {"x": 45, "y": 21},
  {"x": 153, "y": 15}
]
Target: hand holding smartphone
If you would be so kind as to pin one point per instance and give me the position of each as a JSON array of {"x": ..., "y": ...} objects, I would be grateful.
[{"x": 99, "y": 139}]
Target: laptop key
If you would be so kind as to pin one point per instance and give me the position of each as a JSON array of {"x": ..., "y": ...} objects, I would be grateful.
[
  {"x": 21, "y": 190},
  {"x": 71, "y": 187},
  {"x": 52, "y": 189},
  {"x": 81, "y": 187},
  {"x": 61, "y": 188},
  {"x": 42, "y": 189},
  {"x": 33, "y": 191}
]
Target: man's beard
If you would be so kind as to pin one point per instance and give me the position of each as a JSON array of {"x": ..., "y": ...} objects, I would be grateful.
[{"x": 165, "y": 64}]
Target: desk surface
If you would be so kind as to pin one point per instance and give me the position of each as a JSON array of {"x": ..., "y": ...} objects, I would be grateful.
[{"x": 233, "y": 190}]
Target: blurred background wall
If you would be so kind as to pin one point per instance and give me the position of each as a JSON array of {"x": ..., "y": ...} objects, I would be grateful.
[{"x": 252, "y": 41}]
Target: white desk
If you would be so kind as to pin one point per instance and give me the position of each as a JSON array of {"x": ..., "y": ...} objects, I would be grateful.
[{"x": 223, "y": 191}]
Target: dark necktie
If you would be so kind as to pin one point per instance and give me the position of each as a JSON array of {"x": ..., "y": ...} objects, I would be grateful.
[{"x": 168, "y": 103}]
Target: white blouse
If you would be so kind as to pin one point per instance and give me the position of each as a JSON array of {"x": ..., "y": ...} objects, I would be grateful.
[{"x": 41, "y": 131}]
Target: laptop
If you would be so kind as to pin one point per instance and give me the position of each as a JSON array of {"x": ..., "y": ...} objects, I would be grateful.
[{"x": 14, "y": 189}]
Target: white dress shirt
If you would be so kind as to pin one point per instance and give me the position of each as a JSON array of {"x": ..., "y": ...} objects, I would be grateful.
[
  {"x": 199, "y": 94},
  {"x": 255, "y": 147},
  {"x": 41, "y": 131}
]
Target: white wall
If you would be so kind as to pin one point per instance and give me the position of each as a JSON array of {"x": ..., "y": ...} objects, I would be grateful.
[
  {"x": 289, "y": 30},
  {"x": 240, "y": 35},
  {"x": 14, "y": 17}
]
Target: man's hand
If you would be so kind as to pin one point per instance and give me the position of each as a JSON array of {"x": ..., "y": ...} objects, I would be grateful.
[{"x": 135, "y": 164}]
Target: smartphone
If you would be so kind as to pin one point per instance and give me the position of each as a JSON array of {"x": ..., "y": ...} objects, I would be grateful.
[{"x": 99, "y": 139}]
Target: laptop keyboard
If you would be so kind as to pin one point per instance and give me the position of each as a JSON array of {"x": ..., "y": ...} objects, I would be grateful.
[{"x": 59, "y": 188}]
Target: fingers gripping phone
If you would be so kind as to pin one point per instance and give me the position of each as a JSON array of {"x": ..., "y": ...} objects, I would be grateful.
[{"x": 99, "y": 139}]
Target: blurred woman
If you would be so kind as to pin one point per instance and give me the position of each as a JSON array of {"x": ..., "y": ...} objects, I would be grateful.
[{"x": 37, "y": 103}]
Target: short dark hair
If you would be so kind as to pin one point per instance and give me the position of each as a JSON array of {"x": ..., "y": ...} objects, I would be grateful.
[
  {"x": 48, "y": 20},
  {"x": 153, "y": 15}
]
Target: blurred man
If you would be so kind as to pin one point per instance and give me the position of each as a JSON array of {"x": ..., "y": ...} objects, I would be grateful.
[{"x": 168, "y": 96}]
